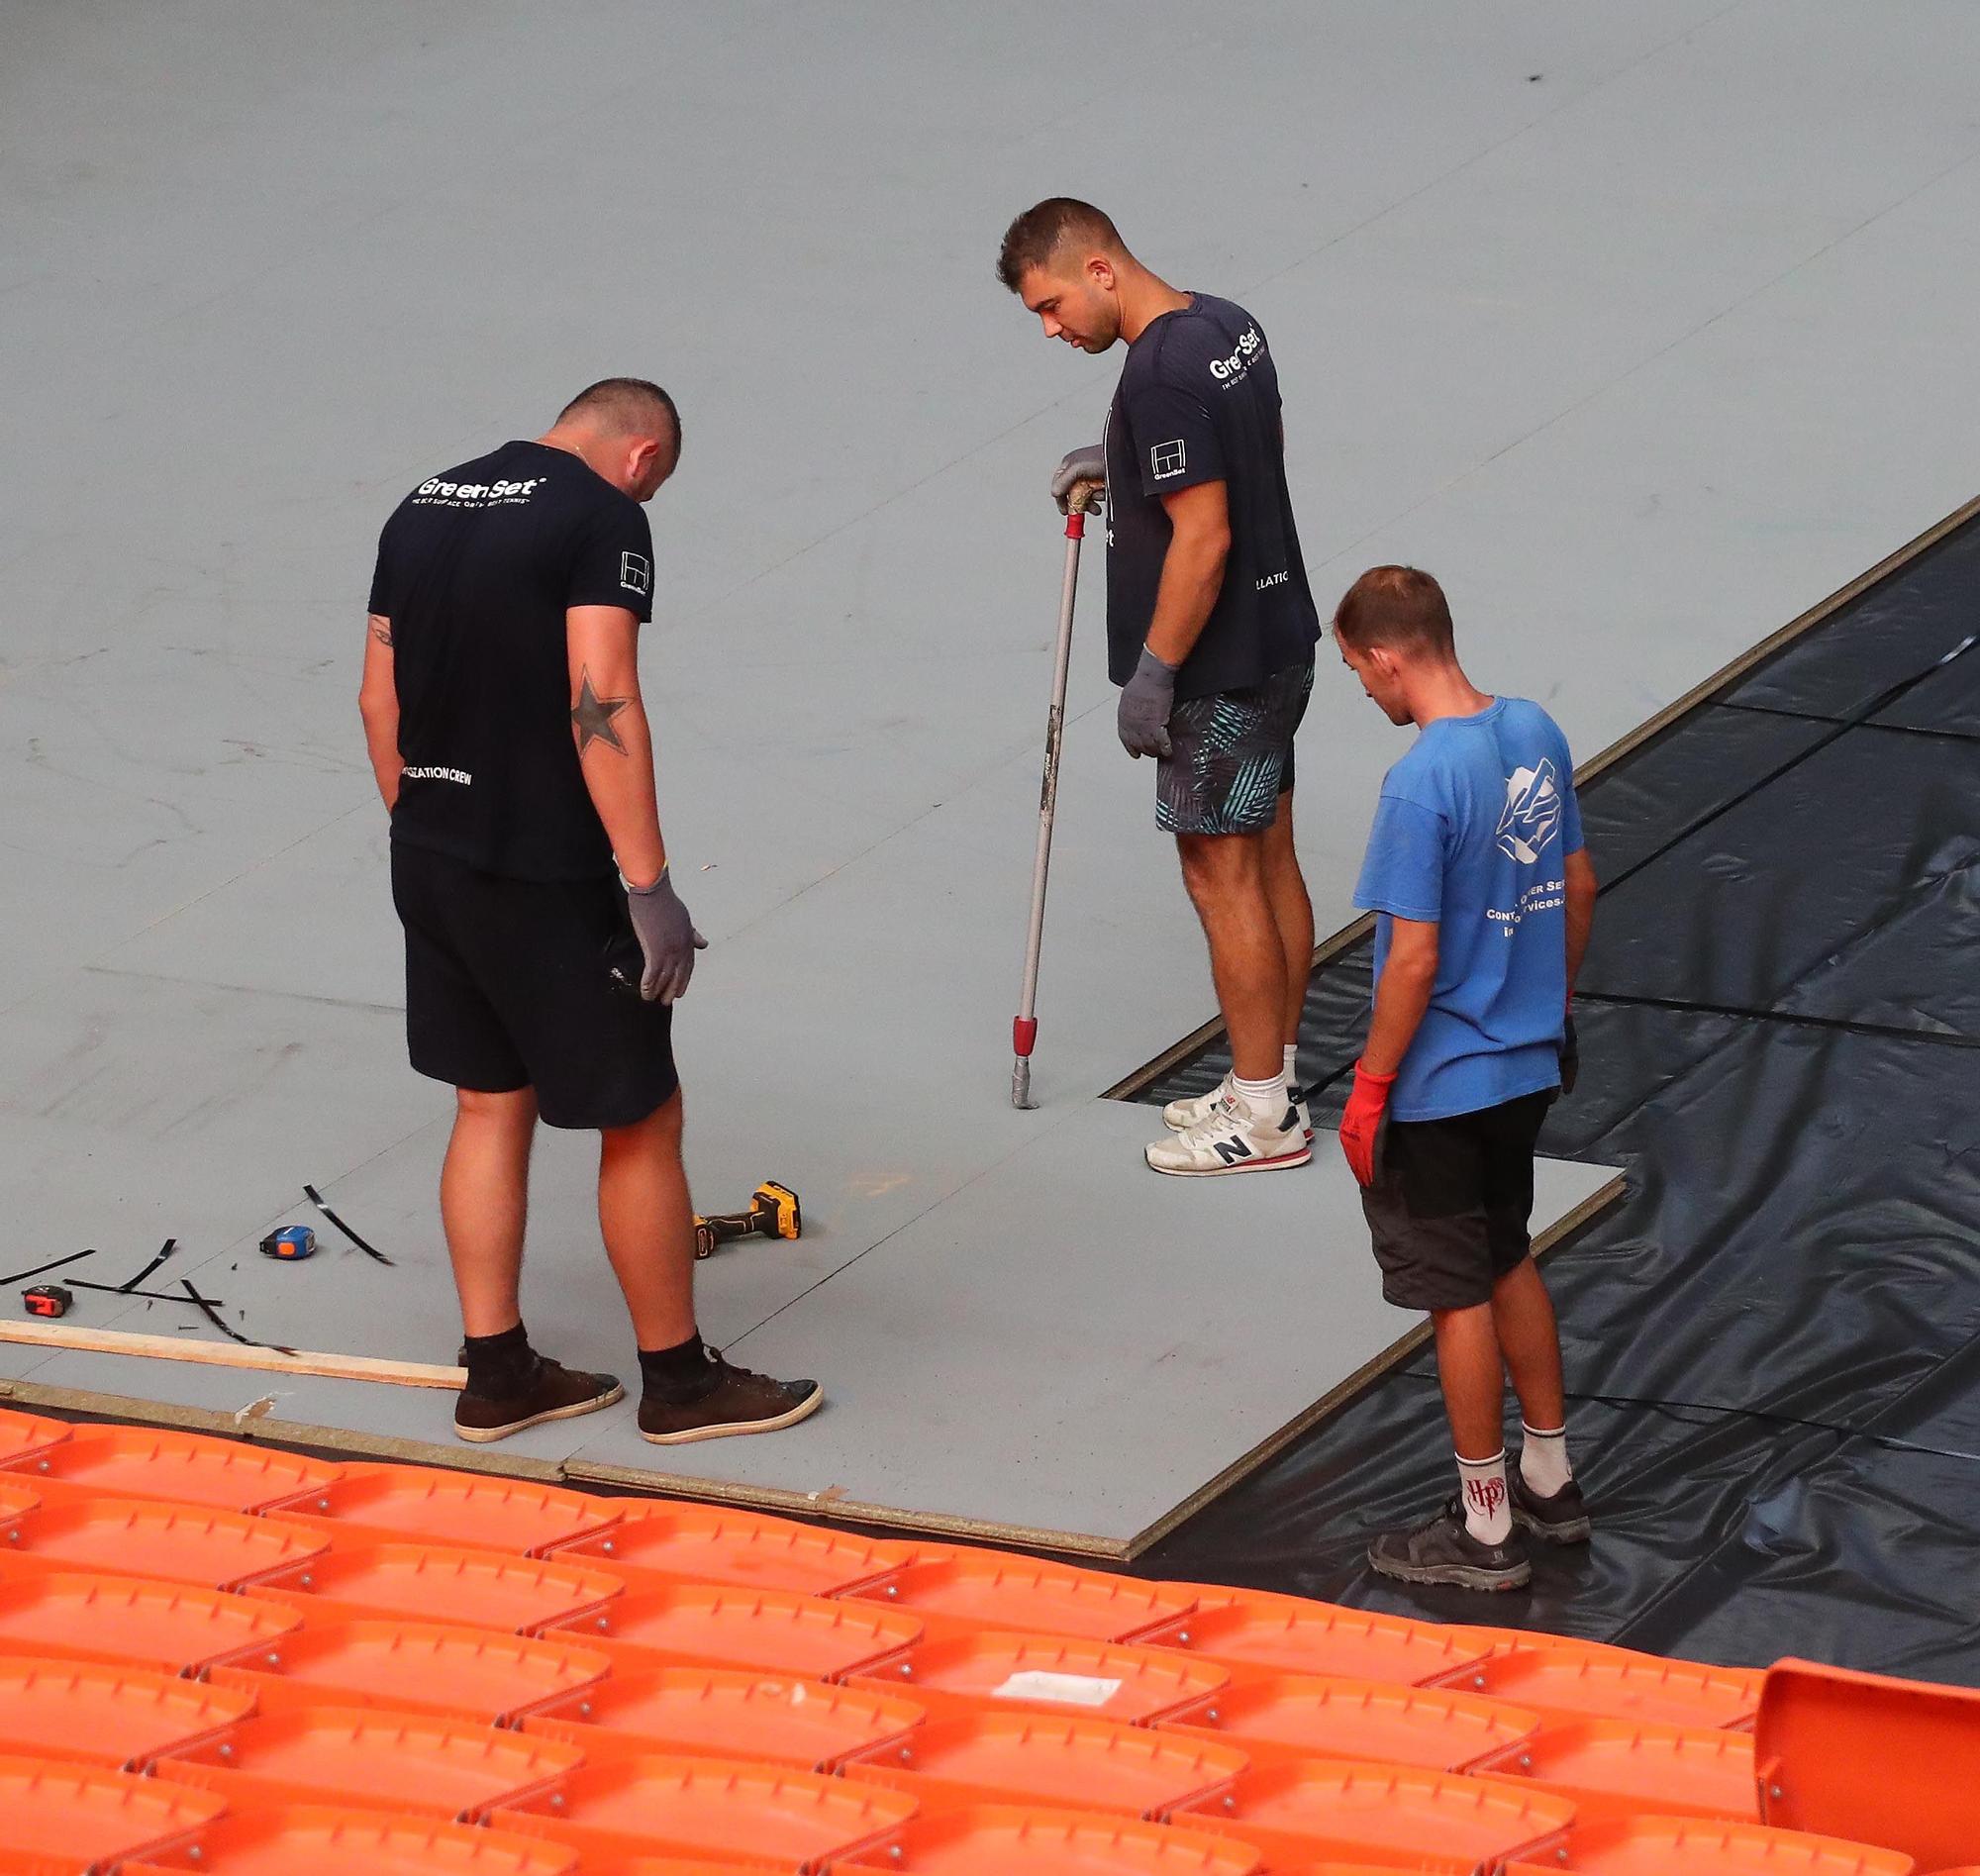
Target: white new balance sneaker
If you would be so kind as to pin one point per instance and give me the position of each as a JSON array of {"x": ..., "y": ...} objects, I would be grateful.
[
  {"x": 1229, "y": 1140},
  {"x": 1193, "y": 1110}
]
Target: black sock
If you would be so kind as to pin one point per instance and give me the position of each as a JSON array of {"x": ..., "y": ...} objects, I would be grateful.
[
  {"x": 499, "y": 1365},
  {"x": 676, "y": 1374}
]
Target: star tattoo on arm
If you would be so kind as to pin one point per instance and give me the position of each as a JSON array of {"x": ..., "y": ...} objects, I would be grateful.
[{"x": 592, "y": 715}]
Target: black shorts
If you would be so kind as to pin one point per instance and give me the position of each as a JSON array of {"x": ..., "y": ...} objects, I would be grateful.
[
  {"x": 1231, "y": 756},
  {"x": 1452, "y": 1201},
  {"x": 508, "y": 985}
]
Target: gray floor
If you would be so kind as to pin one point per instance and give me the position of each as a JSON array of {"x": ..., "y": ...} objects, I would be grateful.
[{"x": 1644, "y": 325}]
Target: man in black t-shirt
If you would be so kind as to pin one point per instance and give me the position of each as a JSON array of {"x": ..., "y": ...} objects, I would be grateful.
[
  {"x": 1211, "y": 630},
  {"x": 545, "y": 942}
]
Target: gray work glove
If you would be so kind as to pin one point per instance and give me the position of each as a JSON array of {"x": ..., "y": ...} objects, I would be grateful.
[
  {"x": 1146, "y": 700},
  {"x": 1079, "y": 465},
  {"x": 668, "y": 938}
]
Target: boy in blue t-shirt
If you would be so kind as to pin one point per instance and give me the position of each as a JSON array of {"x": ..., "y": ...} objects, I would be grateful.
[{"x": 1482, "y": 895}]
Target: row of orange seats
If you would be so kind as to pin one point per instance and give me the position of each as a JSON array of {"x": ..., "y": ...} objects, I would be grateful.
[{"x": 606, "y": 1638}]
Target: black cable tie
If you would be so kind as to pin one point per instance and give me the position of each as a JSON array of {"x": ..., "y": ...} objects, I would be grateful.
[
  {"x": 371, "y": 1251},
  {"x": 124, "y": 1289},
  {"x": 21, "y": 1276},
  {"x": 210, "y": 1309},
  {"x": 170, "y": 1245}
]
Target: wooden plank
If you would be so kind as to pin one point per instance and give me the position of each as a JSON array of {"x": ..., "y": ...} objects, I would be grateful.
[{"x": 76, "y": 1340}]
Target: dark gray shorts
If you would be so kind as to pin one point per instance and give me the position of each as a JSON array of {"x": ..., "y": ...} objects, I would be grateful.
[
  {"x": 1452, "y": 1202},
  {"x": 1232, "y": 757}
]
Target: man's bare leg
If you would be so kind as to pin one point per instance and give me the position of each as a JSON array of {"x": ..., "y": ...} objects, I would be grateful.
[
  {"x": 1225, "y": 877},
  {"x": 1292, "y": 913},
  {"x": 1527, "y": 1333},
  {"x": 484, "y": 1198},
  {"x": 1469, "y": 1371},
  {"x": 648, "y": 1219}
]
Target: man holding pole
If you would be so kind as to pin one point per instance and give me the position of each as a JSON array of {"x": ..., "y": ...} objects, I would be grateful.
[{"x": 1211, "y": 628}]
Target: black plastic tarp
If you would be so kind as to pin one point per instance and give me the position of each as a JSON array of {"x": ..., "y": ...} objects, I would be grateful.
[{"x": 1780, "y": 1024}]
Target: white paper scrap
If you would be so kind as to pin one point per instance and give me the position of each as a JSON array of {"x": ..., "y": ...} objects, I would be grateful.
[{"x": 1066, "y": 1690}]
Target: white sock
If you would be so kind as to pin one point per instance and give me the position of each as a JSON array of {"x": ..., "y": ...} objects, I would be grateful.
[
  {"x": 1544, "y": 1462},
  {"x": 1488, "y": 1512},
  {"x": 1266, "y": 1100},
  {"x": 1292, "y": 1065}
]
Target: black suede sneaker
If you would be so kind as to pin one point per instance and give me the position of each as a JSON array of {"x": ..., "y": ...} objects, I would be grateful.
[
  {"x": 735, "y": 1401},
  {"x": 1443, "y": 1551},
  {"x": 1562, "y": 1518},
  {"x": 551, "y": 1391}
]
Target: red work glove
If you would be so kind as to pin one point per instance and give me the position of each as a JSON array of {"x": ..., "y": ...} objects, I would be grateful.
[{"x": 1360, "y": 1124}]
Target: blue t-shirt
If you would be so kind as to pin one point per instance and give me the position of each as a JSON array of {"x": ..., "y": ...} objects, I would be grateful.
[{"x": 1470, "y": 834}]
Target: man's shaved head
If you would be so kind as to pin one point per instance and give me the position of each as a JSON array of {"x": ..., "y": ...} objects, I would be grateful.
[
  {"x": 624, "y": 406},
  {"x": 1059, "y": 221}
]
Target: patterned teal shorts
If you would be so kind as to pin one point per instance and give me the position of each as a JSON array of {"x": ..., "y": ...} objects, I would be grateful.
[{"x": 1232, "y": 757}]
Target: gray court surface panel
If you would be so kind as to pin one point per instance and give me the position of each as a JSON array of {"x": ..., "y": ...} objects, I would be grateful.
[{"x": 1645, "y": 326}]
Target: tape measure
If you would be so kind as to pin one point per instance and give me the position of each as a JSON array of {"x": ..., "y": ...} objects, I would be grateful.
[
  {"x": 47, "y": 1299},
  {"x": 289, "y": 1243}
]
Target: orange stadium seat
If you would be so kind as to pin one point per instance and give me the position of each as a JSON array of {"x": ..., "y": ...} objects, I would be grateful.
[
  {"x": 1703, "y": 1846},
  {"x": 1000, "y": 1592},
  {"x": 415, "y": 1763},
  {"x": 134, "y": 1622},
  {"x": 1044, "y": 1759},
  {"x": 465, "y": 1673},
  {"x": 770, "y": 1630},
  {"x": 1616, "y": 1767},
  {"x": 188, "y": 1468},
  {"x": 1045, "y": 1674},
  {"x": 656, "y": 1545},
  {"x": 183, "y": 1543},
  {"x": 322, "y": 1841},
  {"x": 22, "y": 1435},
  {"x": 1579, "y": 1684},
  {"x": 714, "y": 1807},
  {"x": 117, "y": 1717},
  {"x": 1305, "y": 1716},
  {"x": 462, "y": 1510},
  {"x": 1311, "y": 1808},
  {"x": 93, "y": 1817},
  {"x": 1002, "y": 1839},
  {"x": 1253, "y": 1634},
  {"x": 426, "y": 1583},
  {"x": 727, "y": 1713}
]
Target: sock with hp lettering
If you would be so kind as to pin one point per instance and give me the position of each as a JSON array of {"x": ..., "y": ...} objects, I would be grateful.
[
  {"x": 1488, "y": 1515},
  {"x": 1544, "y": 1463},
  {"x": 1293, "y": 1067}
]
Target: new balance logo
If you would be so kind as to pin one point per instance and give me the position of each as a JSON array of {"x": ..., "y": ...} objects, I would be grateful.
[
  {"x": 1167, "y": 458},
  {"x": 1232, "y": 1151}
]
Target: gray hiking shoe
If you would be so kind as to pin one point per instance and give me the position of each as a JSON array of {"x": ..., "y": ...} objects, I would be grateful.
[
  {"x": 1562, "y": 1518},
  {"x": 1444, "y": 1552}
]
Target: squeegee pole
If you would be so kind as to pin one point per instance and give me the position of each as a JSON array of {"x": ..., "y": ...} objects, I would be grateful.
[{"x": 1024, "y": 1029}]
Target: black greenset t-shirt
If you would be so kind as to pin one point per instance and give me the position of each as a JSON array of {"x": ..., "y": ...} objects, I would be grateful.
[
  {"x": 1199, "y": 402},
  {"x": 475, "y": 570}
]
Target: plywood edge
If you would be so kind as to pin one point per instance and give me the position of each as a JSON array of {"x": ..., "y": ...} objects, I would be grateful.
[
  {"x": 1350, "y": 934},
  {"x": 243, "y": 1424},
  {"x": 1338, "y": 1396},
  {"x": 844, "y": 1511}
]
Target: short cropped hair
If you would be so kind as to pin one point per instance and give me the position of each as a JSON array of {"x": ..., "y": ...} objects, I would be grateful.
[
  {"x": 1044, "y": 228},
  {"x": 626, "y": 406},
  {"x": 1396, "y": 606}
]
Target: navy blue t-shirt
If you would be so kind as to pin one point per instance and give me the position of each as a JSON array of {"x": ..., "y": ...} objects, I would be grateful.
[
  {"x": 1199, "y": 402},
  {"x": 1470, "y": 835}
]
